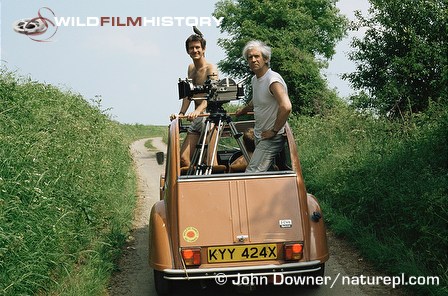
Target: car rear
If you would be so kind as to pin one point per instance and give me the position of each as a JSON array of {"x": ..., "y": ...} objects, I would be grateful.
[{"x": 240, "y": 224}]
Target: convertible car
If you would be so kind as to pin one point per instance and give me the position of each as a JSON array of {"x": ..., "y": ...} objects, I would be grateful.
[{"x": 214, "y": 219}]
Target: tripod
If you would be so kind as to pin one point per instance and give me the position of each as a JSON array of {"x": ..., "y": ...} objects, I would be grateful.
[{"x": 201, "y": 163}]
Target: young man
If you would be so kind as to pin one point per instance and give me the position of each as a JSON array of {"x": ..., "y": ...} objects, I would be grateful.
[
  {"x": 199, "y": 71},
  {"x": 270, "y": 103}
]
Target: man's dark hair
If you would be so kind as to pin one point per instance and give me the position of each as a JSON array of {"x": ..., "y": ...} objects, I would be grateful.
[{"x": 195, "y": 37}]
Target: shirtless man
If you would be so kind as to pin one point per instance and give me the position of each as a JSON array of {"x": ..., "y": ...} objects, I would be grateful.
[{"x": 199, "y": 71}]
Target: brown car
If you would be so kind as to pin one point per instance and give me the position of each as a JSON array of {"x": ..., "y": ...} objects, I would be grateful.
[{"x": 216, "y": 220}]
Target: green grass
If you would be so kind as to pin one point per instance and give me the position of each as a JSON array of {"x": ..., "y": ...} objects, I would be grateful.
[
  {"x": 149, "y": 145},
  {"x": 139, "y": 131},
  {"x": 67, "y": 190},
  {"x": 383, "y": 186}
]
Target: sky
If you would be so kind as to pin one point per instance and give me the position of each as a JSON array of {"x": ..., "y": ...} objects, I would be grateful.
[{"x": 134, "y": 69}]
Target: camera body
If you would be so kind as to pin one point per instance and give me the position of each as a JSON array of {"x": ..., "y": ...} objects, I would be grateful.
[{"x": 221, "y": 91}]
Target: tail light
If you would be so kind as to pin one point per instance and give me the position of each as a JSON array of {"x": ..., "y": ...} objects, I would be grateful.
[
  {"x": 293, "y": 251},
  {"x": 191, "y": 256}
]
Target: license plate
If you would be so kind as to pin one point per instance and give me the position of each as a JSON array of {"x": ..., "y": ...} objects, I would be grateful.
[{"x": 242, "y": 253}]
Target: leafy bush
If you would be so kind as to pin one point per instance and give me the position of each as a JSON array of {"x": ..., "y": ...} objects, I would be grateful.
[{"x": 384, "y": 184}]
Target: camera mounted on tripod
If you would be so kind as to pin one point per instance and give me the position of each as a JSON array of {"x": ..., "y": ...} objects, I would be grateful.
[{"x": 219, "y": 91}]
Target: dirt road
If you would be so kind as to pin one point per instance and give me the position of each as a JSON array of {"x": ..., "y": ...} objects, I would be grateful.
[{"x": 135, "y": 278}]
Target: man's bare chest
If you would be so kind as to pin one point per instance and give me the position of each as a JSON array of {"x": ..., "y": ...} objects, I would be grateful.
[{"x": 199, "y": 76}]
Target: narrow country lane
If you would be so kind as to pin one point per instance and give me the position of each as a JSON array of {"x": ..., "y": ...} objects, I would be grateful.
[{"x": 135, "y": 277}]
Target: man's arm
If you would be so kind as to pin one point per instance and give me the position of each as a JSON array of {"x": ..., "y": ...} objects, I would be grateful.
[
  {"x": 212, "y": 72},
  {"x": 248, "y": 108},
  {"x": 201, "y": 107},
  {"x": 184, "y": 107},
  {"x": 185, "y": 104},
  {"x": 284, "y": 109}
]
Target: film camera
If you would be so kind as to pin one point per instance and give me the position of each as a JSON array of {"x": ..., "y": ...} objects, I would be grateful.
[
  {"x": 219, "y": 91},
  {"x": 216, "y": 92}
]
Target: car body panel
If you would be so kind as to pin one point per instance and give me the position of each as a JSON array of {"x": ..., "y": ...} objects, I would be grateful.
[
  {"x": 235, "y": 207},
  {"x": 226, "y": 210},
  {"x": 160, "y": 257}
]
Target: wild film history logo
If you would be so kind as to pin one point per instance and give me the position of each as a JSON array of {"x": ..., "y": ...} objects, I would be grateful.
[
  {"x": 40, "y": 28},
  {"x": 43, "y": 27}
]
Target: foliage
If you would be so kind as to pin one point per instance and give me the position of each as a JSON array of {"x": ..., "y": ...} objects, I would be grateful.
[
  {"x": 402, "y": 62},
  {"x": 383, "y": 185},
  {"x": 301, "y": 33},
  {"x": 66, "y": 191}
]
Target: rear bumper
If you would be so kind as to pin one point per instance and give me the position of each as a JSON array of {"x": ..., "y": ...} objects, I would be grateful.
[{"x": 232, "y": 272}]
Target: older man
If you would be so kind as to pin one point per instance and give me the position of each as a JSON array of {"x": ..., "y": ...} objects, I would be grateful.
[{"x": 270, "y": 103}]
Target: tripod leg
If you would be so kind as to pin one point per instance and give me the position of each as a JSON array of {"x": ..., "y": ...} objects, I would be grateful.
[
  {"x": 199, "y": 164},
  {"x": 239, "y": 140},
  {"x": 218, "y": 130},
  {"x": 194, "y": 160}
]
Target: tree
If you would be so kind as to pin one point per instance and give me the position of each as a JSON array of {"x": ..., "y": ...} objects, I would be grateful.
[
  {"x": 402, "y": 59},
  {"x": 302, "y": 35}
]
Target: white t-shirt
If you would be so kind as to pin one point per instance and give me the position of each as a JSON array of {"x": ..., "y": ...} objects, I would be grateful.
[{"x": 265, "y": 105}]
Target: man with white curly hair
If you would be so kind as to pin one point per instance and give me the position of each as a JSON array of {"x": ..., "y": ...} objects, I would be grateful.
[{"x": 270, "y": 103}]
